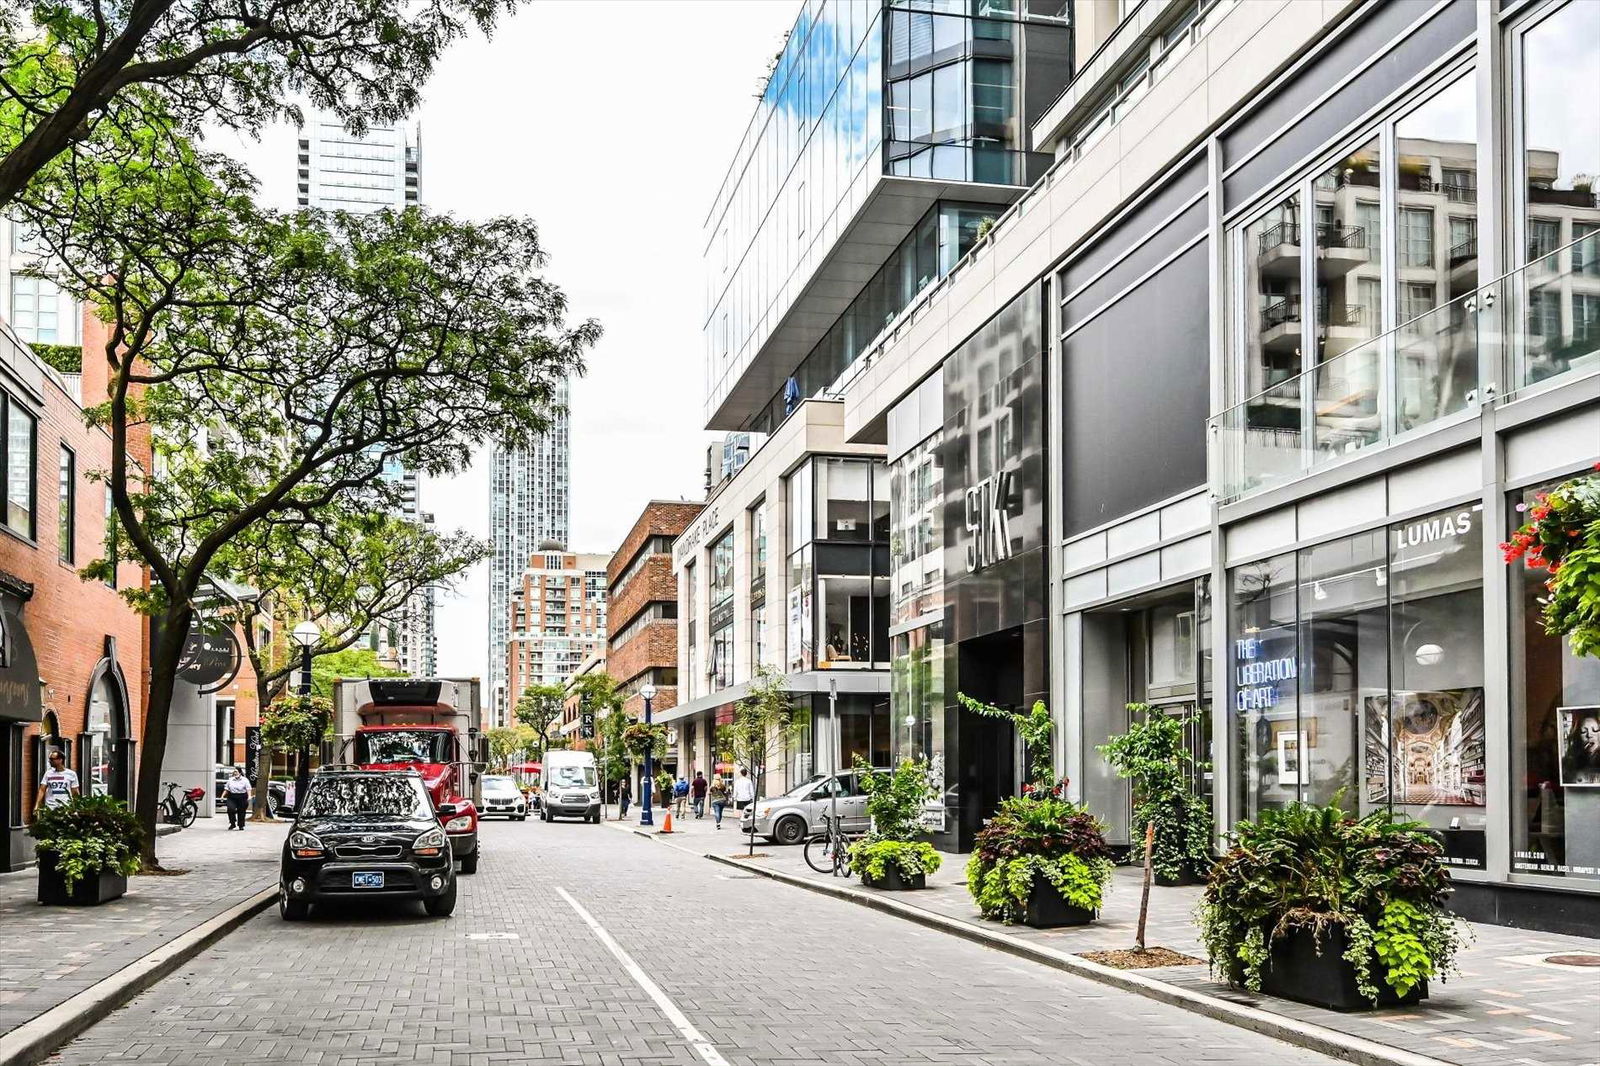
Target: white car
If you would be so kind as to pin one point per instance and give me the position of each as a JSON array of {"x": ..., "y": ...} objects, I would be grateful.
[{"x": 502, "y": 796}]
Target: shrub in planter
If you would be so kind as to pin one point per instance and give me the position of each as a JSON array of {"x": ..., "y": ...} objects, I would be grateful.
[
  {"x": 1032, "y": 845},
  {"x": 1152, "y": 754},
  {"x": 1316, "y": 905},
  {"x": 1562, "y": 536},
  {"x": 87, "y": 848},
  {"x": 893, "y": 855}
]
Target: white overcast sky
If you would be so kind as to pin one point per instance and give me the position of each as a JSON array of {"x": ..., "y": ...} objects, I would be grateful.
[{"x": 611, "y": 124}]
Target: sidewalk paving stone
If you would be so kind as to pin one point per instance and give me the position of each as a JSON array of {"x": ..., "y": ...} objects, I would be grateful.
[
  {"x": 49, "y": 954},
  {"x": 1507, "y": 1006}
]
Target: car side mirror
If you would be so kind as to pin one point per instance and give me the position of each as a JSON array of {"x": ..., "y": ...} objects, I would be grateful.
[{"x": 447, "y": 810}]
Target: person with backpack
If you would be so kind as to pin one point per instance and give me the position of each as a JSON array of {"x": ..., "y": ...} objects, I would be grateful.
[{"x": 719, "y": 799}]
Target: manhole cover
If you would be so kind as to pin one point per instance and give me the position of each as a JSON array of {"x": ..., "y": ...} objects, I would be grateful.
[{"x": 1573, "y": 960}]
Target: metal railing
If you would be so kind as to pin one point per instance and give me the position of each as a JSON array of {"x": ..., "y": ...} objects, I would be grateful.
[{"x": 1532, "y": 326}]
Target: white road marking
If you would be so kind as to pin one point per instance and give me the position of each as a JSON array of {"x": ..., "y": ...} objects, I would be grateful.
[{"x": 679, "y": 1020}]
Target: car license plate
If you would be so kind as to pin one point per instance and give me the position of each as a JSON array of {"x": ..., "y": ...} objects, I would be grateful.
[{"x": 366, "y": 880}]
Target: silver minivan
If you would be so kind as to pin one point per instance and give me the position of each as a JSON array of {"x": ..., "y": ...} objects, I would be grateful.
[{"x": 797, "y": 814}]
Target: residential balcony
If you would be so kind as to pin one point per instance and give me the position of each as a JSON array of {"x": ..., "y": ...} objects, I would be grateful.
[{"x": 1537, "y": 325}]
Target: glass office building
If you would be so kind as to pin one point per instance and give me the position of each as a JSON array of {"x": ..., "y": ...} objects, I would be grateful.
[{"x": 884, "y": 138}]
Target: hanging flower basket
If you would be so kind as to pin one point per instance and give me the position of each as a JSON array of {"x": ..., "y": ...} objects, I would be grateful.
[
  {"x": 642, "y": 740},
  {"x": 1562, "y": 537}
]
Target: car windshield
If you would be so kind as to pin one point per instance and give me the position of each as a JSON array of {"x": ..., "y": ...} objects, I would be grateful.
[
  {"x": 368, "y": 795},
  {"x": 404, "y": 745},
  {"x": 572, "y": 776},
  {"x": 805, "y": 786},
  {"x": 499, "y": 784}
]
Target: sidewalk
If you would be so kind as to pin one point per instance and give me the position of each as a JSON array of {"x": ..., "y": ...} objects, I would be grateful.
[
  {"x": 1508, "y": 1006},
  {"x": 49, "y": 954}
]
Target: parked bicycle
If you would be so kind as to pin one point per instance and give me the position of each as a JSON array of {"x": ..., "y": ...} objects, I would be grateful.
[
  {"x": 828, "y": 852},
  {"x": 176, "y": 811}
]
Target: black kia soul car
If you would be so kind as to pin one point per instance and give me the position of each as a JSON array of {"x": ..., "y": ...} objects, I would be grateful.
[{"x": 362, "y": 833}]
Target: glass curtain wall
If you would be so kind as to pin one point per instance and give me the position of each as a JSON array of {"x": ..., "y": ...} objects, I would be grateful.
[
  {"x": 1558, "y": 159},
  {"x": 930, "y": 251},
  {"x": 721, "y": 620},
  {"x": 758, "y": 586},
  {"x": 1357, "y": 677}
]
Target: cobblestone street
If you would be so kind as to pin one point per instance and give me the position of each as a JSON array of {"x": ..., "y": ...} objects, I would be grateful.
[{"x": 762, "y": 973}]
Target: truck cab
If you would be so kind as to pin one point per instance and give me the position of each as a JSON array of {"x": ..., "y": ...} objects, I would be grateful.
[{"x": 423, "y": 725}]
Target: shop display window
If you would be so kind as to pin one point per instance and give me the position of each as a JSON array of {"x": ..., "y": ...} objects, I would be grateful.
[
  {"x": 1555, "y": 737},
  {"x": 1357, "y": 677}
]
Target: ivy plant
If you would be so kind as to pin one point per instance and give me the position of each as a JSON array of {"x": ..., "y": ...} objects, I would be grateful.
[
  {"x": 1153, "y": 756},
  {"x": 1311, "y": 868},
  {"x": 86, "y": 835},
  {"x": 1034, "y": 727}
]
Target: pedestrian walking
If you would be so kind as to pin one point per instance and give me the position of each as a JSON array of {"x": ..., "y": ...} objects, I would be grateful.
[
  {"x": 697, "y": 791},
  {"x": 744, "y": 791},
  {"x": 236, "y": 794},
  {"x": 719, "y": 799},
  {"x": 624, "y": 796},
  {"x": 680, "y": 796},
  {"x": 58, "y": 785}
]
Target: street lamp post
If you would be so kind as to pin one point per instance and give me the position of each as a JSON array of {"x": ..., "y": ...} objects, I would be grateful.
[
  {"x": 645, "y": 816},
  {"x": 305, "y": 634}
]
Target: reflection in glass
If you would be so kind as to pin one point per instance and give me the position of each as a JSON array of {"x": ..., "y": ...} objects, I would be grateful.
[
  {"x": 1263, "y": 662},
  {"x": 1271, "y": 256}
]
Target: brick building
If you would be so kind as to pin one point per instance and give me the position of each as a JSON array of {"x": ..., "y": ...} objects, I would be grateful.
[
  {"x": 73, "y": 655},
  {"x": 557, "y": 617},
  {"x": 643, "y": 597}
]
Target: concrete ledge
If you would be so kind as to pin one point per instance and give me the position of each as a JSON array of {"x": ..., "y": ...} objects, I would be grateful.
[
  {"x": 1330, "y": 1042},
  {"x": 36, "y": 1039}
]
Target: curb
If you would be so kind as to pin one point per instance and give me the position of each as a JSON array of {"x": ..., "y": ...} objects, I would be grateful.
[
  {"x": 37, "y": 1038},
  {"x": 1308, "y": 1035}
]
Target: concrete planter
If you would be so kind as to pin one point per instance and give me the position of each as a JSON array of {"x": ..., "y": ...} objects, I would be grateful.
[
  {"x": 1047, "y": 909},
  {"x": 1295, "y": 970},
  {"x": 86, "y": 891},
  {"x": 892, "y": 881}
]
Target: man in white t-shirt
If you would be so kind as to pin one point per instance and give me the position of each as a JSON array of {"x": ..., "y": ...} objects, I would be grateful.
[
  {"x": 58, "y": 785},
  {"x": 744, "y": 790}
]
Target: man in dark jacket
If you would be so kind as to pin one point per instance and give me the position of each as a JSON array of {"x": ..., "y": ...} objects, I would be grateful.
[{"x": 698, "y": 790}]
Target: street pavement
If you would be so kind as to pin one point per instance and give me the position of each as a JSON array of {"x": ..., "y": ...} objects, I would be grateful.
[
  {"x": 1509, "y": 1006},
  {"x": 49, "y": 954},
  {"x": 578, "y": 944}
]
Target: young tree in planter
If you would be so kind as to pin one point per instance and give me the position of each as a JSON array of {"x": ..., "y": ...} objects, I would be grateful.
[
  {"x": 763, "y": 722},
  {"x": 894, "y": 855},
  {"x": 277, "y": 364},
  {"x": 1153, "y": 756}
]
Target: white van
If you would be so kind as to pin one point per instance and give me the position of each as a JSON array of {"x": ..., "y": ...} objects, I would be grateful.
[{"x": 570, "y": 786}]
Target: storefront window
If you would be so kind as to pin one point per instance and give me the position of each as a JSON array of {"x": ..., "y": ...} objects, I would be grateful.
[
  {"x": 844, "y": 495},
  {"x": 800, "y": 507},
  {"x": 798, "y": 609},
  {"x": 1358, "y": 677},
  {"x": 917, "y": 693},
  {"x": 1555, "y": 738}
]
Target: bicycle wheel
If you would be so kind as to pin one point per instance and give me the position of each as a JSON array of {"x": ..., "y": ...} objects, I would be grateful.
[
  {"x": 819, "y": 856},
  {"x": 187, "y": 813}
]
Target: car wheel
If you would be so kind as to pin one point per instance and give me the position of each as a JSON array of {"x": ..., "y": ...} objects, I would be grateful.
[
  {"x": 522, "y": 817},
  {"x": 789, "y": 830},
  {"x": 292, "y": 910},
  {"x": 469, "y": 865},
  {"x": 442, "y": 906}
]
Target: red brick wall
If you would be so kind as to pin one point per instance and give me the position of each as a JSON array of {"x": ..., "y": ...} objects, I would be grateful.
[
  {"x": 68, "y": 618},
  {"x": 654, "y": 645}
]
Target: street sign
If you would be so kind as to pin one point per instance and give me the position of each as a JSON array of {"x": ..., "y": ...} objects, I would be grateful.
[
  {"x": 586, "y": 726},
  {"x": 252, "y": 752}
]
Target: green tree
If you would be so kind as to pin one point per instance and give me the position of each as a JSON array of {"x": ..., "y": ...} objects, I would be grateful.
[
  {"x": 350, "y": 663},
  {"x": 510, "y": 744},
  {"x": 1035, "y": 728},
  {"x": 597, "y": 692},
  {"x": 763, "y": 723},
  {"x": 279, "y": 364},
  {"x": 537, "y": 707},
  {"x": 79, "y": 74}
]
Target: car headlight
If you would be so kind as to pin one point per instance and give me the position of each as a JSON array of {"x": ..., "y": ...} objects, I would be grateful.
[
  {"x": 430, "y": 843},
  {"x": 305, "y": 845},
  {"x": 594, "y": 793},
  {"x": 458, "y": 825}
]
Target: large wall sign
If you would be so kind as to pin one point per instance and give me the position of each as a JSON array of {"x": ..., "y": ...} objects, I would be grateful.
[
  {"x": 210, "y": 656},
  {"x": 989, "y": 521}
]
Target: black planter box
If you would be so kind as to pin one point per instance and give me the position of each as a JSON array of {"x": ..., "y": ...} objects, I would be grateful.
[
  {"x": 1295, "y": 971},
  {"x": 1046, "y": 909},
  {"x": 892, "y": 881},
  {"x": 86, "y": 891}
]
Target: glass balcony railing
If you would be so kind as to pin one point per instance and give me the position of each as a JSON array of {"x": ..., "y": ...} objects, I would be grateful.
[{"x": 1534, "y": 326}]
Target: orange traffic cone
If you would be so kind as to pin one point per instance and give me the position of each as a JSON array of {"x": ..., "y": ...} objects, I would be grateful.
[{"x": 666, "y": 824}]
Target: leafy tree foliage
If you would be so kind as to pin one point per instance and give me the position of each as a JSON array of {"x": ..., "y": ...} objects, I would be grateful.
[
  {"x": 510, "y": 744},
  {"x": 79, "y": 75},
  {"x": 537, "y": 707}
]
